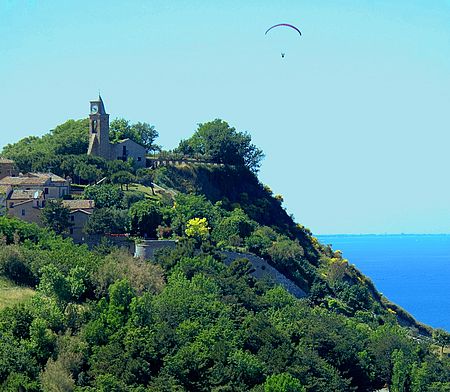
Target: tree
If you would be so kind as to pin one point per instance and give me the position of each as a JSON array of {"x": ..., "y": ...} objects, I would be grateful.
[
  {"x": 56, "y": 217},
  {"x": 89, "y": 173},
  {"x": 233, "y": 229},
  {"x": 223, "y": 144},
  {"x": 122, "y": 178},
  {"x": 107, "y": 220},
  {"x": 442, "y": 338},
  {"x": 283, "y": 382},
  {"x": 105, "y": 195},
  {"x": 197, "y": 228},
  {"x": 141, "y": 132},
  {"x": 146, "y": 178},
  {"x": 400, "y": 371},
  {"x": 41, "y": 153},
  {"x": 285, "y": 252},
  {"x": 145, "y": 217}
]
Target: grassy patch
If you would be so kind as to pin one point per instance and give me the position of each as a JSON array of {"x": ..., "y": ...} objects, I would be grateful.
[
  {"x": 11, "y": 294},
  {"x": 148, "y": 191}
]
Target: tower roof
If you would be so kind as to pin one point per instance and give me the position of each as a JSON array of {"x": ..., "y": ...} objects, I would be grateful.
[{"x": 101, "y": 105}]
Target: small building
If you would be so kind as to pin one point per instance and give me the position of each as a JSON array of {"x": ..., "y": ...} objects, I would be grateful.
[
  {"x": 80, "y": 212},
  {"x": 26, "y": 205},
  {"x": 99, "y": 142},
  {"x": 7, "y": 168},
  {"x": 53, "y": 186}
]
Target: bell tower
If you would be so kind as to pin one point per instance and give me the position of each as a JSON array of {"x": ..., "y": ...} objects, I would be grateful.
[{"x": 99, "y": 130}]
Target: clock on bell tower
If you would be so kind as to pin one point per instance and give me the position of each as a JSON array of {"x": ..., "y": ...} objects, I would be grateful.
[{"x": 99, "y": 130}]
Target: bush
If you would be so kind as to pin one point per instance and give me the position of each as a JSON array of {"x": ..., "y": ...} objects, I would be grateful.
[
  {"x": 15, "y": 265},
  {"x": 233, "y": 229}
]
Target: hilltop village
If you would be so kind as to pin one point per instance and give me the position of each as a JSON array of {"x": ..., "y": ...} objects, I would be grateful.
[
  {"x": 24, "y": 195},
  {"x": 233, "y": 296}
]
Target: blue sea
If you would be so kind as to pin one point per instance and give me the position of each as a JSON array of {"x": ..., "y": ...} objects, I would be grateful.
[{"x": 412, "y": 271}]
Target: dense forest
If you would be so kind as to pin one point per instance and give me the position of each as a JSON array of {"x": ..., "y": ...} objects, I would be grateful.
[{"x": 101, "y": 320}]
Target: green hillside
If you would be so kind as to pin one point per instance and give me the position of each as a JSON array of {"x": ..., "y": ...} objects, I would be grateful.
[{"x": 100, "y": 320}]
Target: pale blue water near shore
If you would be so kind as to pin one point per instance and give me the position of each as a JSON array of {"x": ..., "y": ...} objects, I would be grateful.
[{"x": 413, "y": 271}]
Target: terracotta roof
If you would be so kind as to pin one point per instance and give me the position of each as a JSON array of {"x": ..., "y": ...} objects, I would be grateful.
[
  {"x": 22, "y": 194},
  {"x": 79, "y": 204},
  {"x": 5, "y": 160}
]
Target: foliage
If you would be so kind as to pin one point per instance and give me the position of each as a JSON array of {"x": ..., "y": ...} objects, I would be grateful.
[
  {"x": 233, "y": 229},
  {"x": 145, "y": 217},
  {"x": 107, "y": 220},
  {"x": 223, "y": 144},
  {"x": 197, "y": 228},
  {"x": 141, "y": 132},
  {"x": 105, "y": 195},
  {"x": 442, "y": 338},
  {"x": 187, "y": 207},
  {"x": 68, "y": 138},
  {"x": 55, "y": 216},
  {"x": 122, "y": 178},
  {"x": 104, "y": 321},
  {"x": 282, "y": 382}
]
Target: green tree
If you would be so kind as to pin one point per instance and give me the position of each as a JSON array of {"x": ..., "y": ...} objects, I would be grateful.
[
  {"x": 145, "y": 217},
  {"x": 285, "y": 252},
  {"x": 146, "y": 178},
  {"x": 68, "y": 138},
  {"x": 233, "y": 229},
  {"x": 56, "y": 217},
  {"x": 223, "y": 144},
  {"x": 141, "y": 132},
  {"x": 108, "y": 220},
  {"x": 283, "y": 382},
  {"x": 122, "y": 178},
  {"x": 105, "y": 195},
  {"x": 442, "y": 338}
]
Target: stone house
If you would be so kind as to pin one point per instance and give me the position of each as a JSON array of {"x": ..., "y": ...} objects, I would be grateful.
[
  {"x": 53, "y": 186},
  {"x": 8, "y": 168},
  {"x": 80, "y": 212},
  {"x": 26, "y": 205},
  {"x": 99, "y": 142}
]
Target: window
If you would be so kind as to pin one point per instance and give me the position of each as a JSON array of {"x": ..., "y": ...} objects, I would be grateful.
[
  {"x": 72, "y": 218},
  {"x": 71, "y": 230},
  {"x": 46, "y": 191},
  {"x": 124, "y": 150},
  {"x": 23, "y": 212},
  {"x": 11, "y": 205},
  {"x": 139, "y": 159}
]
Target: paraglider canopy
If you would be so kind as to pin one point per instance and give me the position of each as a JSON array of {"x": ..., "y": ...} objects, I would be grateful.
[
  {"x": 289, "y": 26},
  {"x": 285, "y": 25}
]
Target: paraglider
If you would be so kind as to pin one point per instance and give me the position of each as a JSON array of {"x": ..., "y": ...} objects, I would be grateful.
[{"x": 283, "y": 25}]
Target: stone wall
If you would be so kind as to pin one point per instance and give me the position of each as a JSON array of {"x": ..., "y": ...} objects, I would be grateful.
[
  {"x": 263, "y": 268},
  {"x": 146, "y": 249}
]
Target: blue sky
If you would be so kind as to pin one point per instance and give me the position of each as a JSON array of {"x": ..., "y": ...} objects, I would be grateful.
[{"x": 354, "y": 121}]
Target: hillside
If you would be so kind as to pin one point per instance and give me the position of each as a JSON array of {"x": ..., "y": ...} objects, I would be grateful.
[{"x": 100, "y": 320}]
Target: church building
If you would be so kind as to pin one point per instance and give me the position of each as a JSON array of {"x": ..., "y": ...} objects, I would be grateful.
[{"x": 99, "y": 143}]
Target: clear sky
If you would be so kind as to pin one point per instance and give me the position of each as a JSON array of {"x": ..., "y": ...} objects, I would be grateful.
[{"x": 354, "y": 121}]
